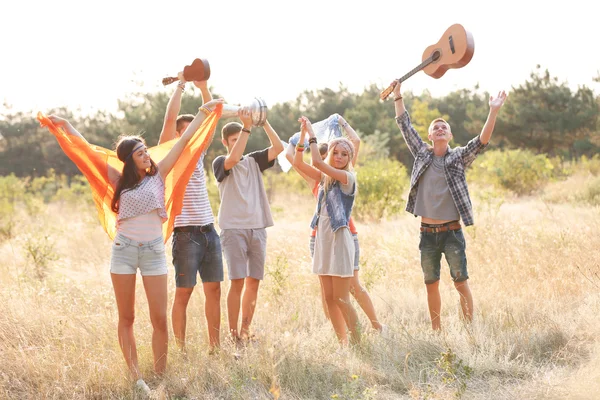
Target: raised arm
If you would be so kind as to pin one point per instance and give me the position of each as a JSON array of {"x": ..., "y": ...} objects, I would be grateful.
[
  {"x": 496, "y": 104},
  {"x": 352, "y": 135},
  {"x": 113, "y": 174},
  {"x": 169, "y": 130},
  {"x": 310, "y": 174},
  {"x": 276, "y": 145},
  {"x": 167, "y": 163},
  {"x": 237, "y": 150},
  {"x": 318, "y": 163},
  {"x": 411, "y": 137},
  {"x": 478, "y": 143},
  {"x": 170, "y": 122},
  {"x": 203, "y": 86}
]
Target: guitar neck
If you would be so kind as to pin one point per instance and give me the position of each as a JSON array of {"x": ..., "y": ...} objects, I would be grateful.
[
  {"x": 384, "y": 95},
  {"x": 416, "y": 69}
]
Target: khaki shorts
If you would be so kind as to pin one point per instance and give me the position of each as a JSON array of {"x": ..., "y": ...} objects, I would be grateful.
[{"x": 245, "y": 251}]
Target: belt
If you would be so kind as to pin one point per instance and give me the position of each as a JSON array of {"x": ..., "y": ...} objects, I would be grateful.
[
  {"x": 194, "y": 228},
  {"x": 449, "y": 226}
]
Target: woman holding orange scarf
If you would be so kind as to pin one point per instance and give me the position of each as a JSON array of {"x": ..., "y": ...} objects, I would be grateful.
[{"x": 139, "y": 205}]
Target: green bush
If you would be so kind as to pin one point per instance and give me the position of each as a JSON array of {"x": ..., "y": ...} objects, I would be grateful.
[
  {"x": 381, "y": 186},
  {"x": 519, "y": 171},
  {"x": 591, "y": 165},
  {"x": 12, "y": 191}
]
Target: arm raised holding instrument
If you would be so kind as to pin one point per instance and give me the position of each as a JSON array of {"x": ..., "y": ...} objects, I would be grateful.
[
  {"x": 167, "y": 163},
  {"x": 276, "y": 144}
]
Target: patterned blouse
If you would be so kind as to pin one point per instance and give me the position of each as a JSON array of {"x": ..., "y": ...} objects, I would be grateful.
[{"x": 143, "y": 198}]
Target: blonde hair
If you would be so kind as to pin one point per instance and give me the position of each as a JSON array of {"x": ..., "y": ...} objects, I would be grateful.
[
  {"x": 346, "y": 145},
  {"x": 438, "y": 120}
]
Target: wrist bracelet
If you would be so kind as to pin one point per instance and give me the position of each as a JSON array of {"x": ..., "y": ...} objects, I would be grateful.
[
  {"x": 300, "y": 148},
  {"x": 312, "y": 140},
  {"x": 398, "y": 98},
  {"x": 205, "y": 110},
  {"x": 246, "y": 130}
]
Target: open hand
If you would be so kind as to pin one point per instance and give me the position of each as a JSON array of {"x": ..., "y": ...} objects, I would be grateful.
[{"x": 498, "y": 101}]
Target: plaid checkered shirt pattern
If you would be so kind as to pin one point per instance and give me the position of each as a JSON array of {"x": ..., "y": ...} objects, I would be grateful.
[{"x": 456, "y": 161}]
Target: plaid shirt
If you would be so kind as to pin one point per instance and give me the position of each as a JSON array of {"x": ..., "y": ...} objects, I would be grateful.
[{"x": 455, "y": 162}]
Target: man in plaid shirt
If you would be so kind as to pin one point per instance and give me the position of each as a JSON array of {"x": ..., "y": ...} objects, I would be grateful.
[{"x": 439, "y": 195}]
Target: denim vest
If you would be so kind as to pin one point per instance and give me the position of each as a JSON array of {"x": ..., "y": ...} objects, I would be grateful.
[{"x": 339, "y": 206}]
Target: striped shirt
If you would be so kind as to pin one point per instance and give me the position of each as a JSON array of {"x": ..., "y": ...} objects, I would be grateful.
[
  {"x": 456, "y": 160},
  {"x": 196, "y": 209}
]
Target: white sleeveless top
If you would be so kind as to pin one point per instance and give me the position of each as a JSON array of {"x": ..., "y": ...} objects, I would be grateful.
[{"x": 147, "y": 196}]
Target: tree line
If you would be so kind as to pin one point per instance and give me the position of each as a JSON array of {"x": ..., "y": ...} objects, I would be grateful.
[{"x": 542, "y": 114}]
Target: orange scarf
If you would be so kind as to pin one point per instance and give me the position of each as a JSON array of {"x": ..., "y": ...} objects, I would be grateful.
[{"x": 93, "y": 162}]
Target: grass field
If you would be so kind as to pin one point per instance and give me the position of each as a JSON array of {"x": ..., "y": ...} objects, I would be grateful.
[{"x": 536, "y": 334}]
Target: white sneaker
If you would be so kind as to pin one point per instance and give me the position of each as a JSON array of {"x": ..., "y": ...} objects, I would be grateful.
[{"x": 143, "y": 387}]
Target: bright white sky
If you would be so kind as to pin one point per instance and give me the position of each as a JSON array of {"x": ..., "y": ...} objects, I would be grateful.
[{"x": 86, "y": 55}]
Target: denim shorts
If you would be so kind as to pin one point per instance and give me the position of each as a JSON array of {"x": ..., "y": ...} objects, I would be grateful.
[
  {"x": 128, "y": 255},
  {"x": 245, "y": 251},
  {"x": 453, "y": 245},
  {"x": 197, "y": 250},
  {"x": 311, "y": 246}
]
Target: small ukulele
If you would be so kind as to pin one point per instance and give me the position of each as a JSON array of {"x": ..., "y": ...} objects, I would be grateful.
[
  {"x": 199, "y": 70},
  {"x": 454, "y": 50}
]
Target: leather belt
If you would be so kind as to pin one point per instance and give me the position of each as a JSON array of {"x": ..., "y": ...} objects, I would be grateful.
[{"x": 449, "y": 226}]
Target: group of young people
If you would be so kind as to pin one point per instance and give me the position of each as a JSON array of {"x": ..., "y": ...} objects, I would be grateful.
[{"x": 438, "y": 194}]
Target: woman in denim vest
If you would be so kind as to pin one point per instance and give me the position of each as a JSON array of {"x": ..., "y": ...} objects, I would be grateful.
[
  {"x": 139, "y": 202},
  {"x": 360, "y": 293},
  {"x": 333, "y": 259}
]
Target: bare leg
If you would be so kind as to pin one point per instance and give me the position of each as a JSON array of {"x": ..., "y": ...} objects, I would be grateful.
[
  {"x": 341, "y": 294},
  {"x": 335, "y": 314},
  {"x": 364, "y": 300},
  {"x": 323, "y": 301},
  {"x": 179, "y": 314},
  {"x": 156, "y": 292},
  {"x": 233, "y": 306},
  {"x": 466, "y": 299},
  {"x": 249, "y": 305},
  {"x": 124, "y": 287},
  {"x": 434, "y": 302},
  {"x": 212, "y": 311}
]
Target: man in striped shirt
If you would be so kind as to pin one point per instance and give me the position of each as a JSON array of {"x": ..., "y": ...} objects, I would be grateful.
[
  {"x": 439, "y": 195},
  {"x": 196, "y": 244}
]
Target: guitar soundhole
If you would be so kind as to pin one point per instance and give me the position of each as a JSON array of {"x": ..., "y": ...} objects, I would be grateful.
[{"x": 436, "y": 55}]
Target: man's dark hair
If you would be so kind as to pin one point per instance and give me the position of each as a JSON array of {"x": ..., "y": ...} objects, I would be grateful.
[
  {"x": 181, "y": 120},
  {"x": 231, "y": 128}
]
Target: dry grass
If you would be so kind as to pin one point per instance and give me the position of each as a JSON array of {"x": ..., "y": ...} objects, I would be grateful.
[{"x": 535, "y": 334}]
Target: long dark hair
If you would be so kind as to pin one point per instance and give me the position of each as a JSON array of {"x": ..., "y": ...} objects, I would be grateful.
[{"x": 130, "y": 176}]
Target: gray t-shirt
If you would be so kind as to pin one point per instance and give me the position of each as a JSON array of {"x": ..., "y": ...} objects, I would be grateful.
[
  {"x": 244, "y": 203},
  {"x": 433, "y": 194}
]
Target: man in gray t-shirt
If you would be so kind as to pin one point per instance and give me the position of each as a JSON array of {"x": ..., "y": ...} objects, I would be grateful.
[
  {"x": 440, "y": 196},
  {"x": 244, "y": 214}
]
